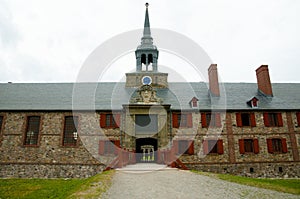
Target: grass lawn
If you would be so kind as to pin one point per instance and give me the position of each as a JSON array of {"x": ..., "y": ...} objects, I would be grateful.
[
  {"x": 55, "y": 188},
  {"x": 283, "y": 185}
]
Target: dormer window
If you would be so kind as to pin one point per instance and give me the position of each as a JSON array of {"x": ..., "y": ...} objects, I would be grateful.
[
  {"x": 253, "y": 102},
  {"x": 194, "y": 102}
]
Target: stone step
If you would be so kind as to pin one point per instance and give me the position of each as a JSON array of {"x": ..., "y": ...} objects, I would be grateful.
[{"x": 144, "y": 167}]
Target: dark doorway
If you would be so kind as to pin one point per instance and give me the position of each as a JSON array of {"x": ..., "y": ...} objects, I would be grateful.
[{"x": 146, "y": 150}]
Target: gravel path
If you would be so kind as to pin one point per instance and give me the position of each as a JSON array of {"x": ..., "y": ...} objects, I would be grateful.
[{"x": 173, "y": 184}]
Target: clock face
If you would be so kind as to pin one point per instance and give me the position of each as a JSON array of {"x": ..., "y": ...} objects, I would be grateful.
[{"x": 146, "y": 80}]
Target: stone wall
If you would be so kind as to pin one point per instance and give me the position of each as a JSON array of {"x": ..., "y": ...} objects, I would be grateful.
[
  {"x": 257, "y": 170},
  {"x": 14, "y": 170},
  {"x": 49, "y": 158}
]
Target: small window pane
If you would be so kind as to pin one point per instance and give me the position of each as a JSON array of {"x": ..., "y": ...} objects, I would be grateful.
[
  {"x": 245, "y": 119},
  {"x": 273, "y": 119},
  {"x": 32, "y": 131},
  {"x": 183, "y": 146},
  {"x": 212, "y": 146},
  {"x": 1, "y": 121},
  {"x": 277, "y": 145},
  {"x": 70, "y": 131},
  {"x": 248, "y": 144}
]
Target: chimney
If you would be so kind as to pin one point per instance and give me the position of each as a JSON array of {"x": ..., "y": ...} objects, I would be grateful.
[
  {"x": 213, "y": 80},
  {"x": 263, "y": 80}
]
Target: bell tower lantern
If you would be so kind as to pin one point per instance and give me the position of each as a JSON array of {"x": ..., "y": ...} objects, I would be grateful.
[{"x": 146, "y": 61}]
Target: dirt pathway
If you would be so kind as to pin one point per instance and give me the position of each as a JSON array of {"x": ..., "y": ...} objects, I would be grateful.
[{"x": 170, "y": 183}]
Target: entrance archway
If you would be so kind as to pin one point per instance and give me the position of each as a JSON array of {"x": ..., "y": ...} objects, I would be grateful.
[{"x": 146, "y": 150}]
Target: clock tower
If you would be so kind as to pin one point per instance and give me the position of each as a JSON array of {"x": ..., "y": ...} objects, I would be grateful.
[{"x": 146, "y": 62}]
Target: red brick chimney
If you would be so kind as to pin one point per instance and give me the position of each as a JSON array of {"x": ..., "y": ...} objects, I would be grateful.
[
  {"x": 263, "y": 80},
  {"x": 213, "y": 80}
]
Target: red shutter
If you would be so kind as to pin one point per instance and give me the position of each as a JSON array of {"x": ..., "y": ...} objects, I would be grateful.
[
  {"x": 239, "y": 120},
  {"x": 218, "y": 119},
  {"x": 191, "y": 147},
  {"x": 117, "y": 119},
  {"x": 102, "y": 120},
  {"x": 101, "y": 147},
  {"x": 284, "y": 145},
  {"x": 203, "y": 120},
  {"x": 242, "y": 146},
  {"x": 269, "y": 145},
  {"x": 279, "y": 118},
  {"x": 256, "y": 146},
  {"x": 189, "y": 118},
  {"x": 252, "y": 119},
  {"x": 298, "y": 118},
  {"x": 220, "y": 147},
  {"x": 175, "y": 147},
  {"x": 175, "y": 120},
  {"x": 205, "y": 147},
  {"x": 117, "y": 146},
  {"x": 266, "y": 119}
]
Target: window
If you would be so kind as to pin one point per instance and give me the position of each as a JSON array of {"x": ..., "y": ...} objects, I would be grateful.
[
  {"x": 273, "y": 120},
  {"x": 182, "y": 120},
  {"x": 109, "y": 120},
  {"x": 245, "y": 119},
  {"x": 212, "y": 146},
  {"x": 211, "y": 120},
  {"x": 70, "y": 131},
  {"x": 108, "y": 147},
  {"x": 248, "y": 146},
  {"x": 32, "y": 131},
  {"x": 253, "y": 102},
  {"x": 146, "y": 123},
  {"x": 277, "y": 145},
  {"x": 1, "y": 123},
  {"x": 298, "y": 118},
  {"x": 194, "y": 102},
  {"x": 184, "y": 147}
]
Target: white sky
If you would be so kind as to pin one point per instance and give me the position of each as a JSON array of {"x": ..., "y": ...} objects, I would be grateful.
[{"x": 48, "y": 41}]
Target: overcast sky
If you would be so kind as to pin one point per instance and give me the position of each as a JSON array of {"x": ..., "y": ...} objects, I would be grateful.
[{"x": 48, "y": 41}]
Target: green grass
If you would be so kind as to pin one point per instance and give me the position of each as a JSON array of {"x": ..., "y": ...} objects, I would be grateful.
[
  {"x": 55, "y": 188},
  {"x": 283, "y": 185}
]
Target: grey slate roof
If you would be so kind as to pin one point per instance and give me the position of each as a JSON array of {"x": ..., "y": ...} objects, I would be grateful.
[{"x": 110, "y": 95}]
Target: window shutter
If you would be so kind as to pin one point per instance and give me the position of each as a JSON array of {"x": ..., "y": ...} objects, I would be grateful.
[
  {"x": 242, "y": 146},
  {"x": 175, "y": 120},
  {"x": 191, "y": 147},
  {"x": 284, "y": 145},
  {"x": 239, "y": 120},
  {"x": 252, "y": 119},
  {"x": 218, "y": 119},
  {"x": 118, "y": 119},
  {"x": 117, "y": 146},
  {"x": 189, "y": 120},
  {"x": 102, "y": 120},
  {"x": 101, "y": 147},
  {"x": 298, "y": 118},
  {"x": 279, "y": 118},
  {"x": 175, "y": 146},
  {"x": 269, "y": 145},
  {"x": 255, "y": 146},
  {"x": 203, "y": 120},
  {"x": 266, "y": 120},
  {"x": 205, "y": 147},
  {"x": 220, "y": 147}
]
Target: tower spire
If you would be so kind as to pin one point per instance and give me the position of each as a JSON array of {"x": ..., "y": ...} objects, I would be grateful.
[{"x": 147, "y": 39}]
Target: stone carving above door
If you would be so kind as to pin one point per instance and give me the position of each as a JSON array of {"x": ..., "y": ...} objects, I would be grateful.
[{"x": 146, "y": 95}]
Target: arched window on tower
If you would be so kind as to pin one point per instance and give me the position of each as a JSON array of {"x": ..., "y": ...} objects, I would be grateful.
[
  {"x": 150, "y": 58},
  {"x": 143, "y": 59}
]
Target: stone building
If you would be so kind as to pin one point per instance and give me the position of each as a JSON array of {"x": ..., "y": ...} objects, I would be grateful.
[{"x": 254, "y": 132}]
